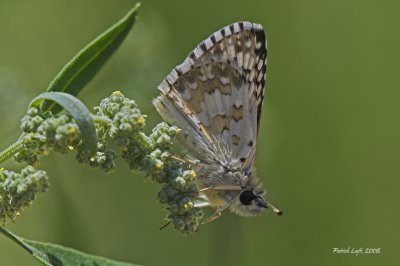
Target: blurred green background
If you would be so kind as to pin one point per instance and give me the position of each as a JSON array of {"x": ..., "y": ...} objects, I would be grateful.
[{"x": 328, "y": 149}]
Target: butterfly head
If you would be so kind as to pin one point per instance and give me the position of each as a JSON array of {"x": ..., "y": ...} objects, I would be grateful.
[{"x": 250, "y": 202}]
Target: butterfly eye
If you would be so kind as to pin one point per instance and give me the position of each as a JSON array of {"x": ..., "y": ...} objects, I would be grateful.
[{"x": 247, "y": 197}]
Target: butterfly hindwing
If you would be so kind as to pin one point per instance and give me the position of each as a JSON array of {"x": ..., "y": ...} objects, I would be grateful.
[{"x": 216, "y": 94}]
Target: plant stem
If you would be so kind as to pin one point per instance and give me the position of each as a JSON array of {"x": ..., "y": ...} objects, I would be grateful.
[
  {"x": 15, "y": 238},
  {"x": 144, "y": 140},
  {"x": 10, "y": 151}
]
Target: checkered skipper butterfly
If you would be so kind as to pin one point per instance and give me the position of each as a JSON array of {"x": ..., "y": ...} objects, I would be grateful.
[{"x": 215, "y": 96}]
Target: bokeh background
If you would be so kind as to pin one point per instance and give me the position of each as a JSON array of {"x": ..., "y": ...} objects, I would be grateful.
[{"x": 328, "y": 150}]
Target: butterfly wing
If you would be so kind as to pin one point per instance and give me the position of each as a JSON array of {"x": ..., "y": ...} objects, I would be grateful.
[{"x": 215, "y": 96}]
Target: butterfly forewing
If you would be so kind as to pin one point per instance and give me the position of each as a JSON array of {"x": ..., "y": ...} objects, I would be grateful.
[{"x": 216, "y": 94}]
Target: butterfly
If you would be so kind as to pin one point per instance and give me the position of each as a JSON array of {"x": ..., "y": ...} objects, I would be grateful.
[{"x": 215, "y": 96}]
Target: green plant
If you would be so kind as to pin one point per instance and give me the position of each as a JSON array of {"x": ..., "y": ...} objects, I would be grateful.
[{"x": 58, "y": 121}]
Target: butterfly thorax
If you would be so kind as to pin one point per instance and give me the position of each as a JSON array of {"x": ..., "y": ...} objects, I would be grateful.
[
  {"x": 210, "y": 176},
  {"x": 219, "y": 174}
]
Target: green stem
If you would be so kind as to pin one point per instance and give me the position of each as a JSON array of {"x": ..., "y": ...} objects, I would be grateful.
[
  {"x": 144, "y": 140},
  {"x": 15, "y": 238},
  {"x": 102, "y": 121},
  {"x": 10, "y": 151}
]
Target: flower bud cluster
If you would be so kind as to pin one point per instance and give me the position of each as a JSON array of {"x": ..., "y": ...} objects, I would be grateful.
[
  {"x": 126, "y": 119},
  {"x": 125, "y": 128},
  {"x": 179, "y": 191},
  {"x": 151, "y": 155},
  {"x": 42, "y": 133},
  {"x": 104, "y": 158},
  {"x": 18, "y": 190},
  {"x": 179, "y": 194},
  {"x": 117, "y": 118},
  {"x": 61, "y": 133}
]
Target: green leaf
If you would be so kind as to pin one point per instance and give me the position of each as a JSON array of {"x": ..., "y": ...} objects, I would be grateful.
[
  {"x": 11, "y": 151},
  {"x": 77, "y": 110},
  {"x": 85, "y": 65},
  {"x": 55, "y": 255}
]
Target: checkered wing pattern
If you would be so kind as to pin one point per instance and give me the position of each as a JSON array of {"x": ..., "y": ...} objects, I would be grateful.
[{"x": 215, "y": 96}]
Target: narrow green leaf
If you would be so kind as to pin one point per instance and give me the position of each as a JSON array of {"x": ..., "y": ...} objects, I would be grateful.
[
  {"x": 11, "y": 151},
  {"x": 55, "y": 255},
  {"x": 85, "y": 65},
  {"x": 77, "y": 110}
]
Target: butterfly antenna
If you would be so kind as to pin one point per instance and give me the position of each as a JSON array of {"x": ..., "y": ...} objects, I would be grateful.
[{"x": 275, "y": 209}]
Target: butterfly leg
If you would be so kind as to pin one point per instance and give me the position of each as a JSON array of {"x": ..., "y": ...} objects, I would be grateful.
[
  {"x": 221, "y": 187},
  {"x": 216, "y": 215},
  {"x": 211, "y": 218},
  {"x": 184, "y": 161},
  {"x": 201, "y": 204},
  {"x": 218, "y": 187},
  {"x": 165, "y": 225}
]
